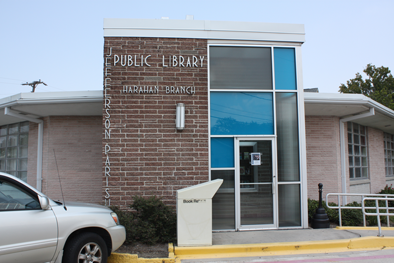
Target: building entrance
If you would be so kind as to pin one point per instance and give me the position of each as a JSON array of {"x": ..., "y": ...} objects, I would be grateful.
[
  {"x": 248, "y": 198},
  {"x": 255, "y": 176}
]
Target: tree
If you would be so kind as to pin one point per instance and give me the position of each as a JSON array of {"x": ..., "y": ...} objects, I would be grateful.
[{"x": 379, "y": 85}]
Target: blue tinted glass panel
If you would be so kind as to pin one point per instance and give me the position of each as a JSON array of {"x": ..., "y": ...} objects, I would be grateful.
[
  {"x": 241, "y": 113},
  {"x": 285, "y": 73},
  {"x": 222, "y": 152}
]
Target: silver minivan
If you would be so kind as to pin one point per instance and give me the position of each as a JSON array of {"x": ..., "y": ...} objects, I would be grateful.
[{"x": 36, "y": 229}]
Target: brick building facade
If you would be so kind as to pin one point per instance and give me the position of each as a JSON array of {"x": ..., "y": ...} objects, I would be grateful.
[
  {"x": 122, "y": 141},
  {"x": 147, "y": 155},
  {"x": 75, "y": 141}
]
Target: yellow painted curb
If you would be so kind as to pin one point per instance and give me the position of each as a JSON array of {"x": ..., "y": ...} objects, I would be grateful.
[
  {"x": 284, "y": 248},
  {"x": 362, "y": 228},
  {"x": 264, "y": 249},
  {"x": 261, "y": 248},
  {"x": 371, "y": 243},
  {"x": 133, "y": 258}
]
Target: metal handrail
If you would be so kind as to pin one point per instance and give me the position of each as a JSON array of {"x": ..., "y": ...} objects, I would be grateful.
[
  {"x": 363, "y": 196},
  {"x": 377, "y": 209}
]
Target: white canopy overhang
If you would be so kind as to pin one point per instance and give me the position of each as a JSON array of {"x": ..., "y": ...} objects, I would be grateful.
[
  {"x": 347, "y": 105},
  {"x": 42, "y": 104}
]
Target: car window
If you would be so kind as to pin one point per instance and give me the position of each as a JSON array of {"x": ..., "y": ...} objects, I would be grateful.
[{"x": 12, "y": 197}]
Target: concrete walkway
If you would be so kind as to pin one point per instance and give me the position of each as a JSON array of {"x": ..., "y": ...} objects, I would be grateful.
[
  {"x": 276, "y": 242},
  {"x": 274, "y": 236}
]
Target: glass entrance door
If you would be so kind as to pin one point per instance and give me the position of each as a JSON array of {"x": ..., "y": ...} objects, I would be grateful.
[{"x": 255, "y": 180}]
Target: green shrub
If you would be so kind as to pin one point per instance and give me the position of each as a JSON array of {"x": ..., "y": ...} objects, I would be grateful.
[
  {"x": 149, "y": 222},
  {"x": 387, "y": 190},
  {"x": 158, "y": 217},
  {"x": 352, "y": 217},
  {"x": 373, "y": 220}
]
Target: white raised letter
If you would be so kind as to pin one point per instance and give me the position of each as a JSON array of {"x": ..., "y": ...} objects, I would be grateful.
[
  {"x": 116, "y": 59},
  {"x": 174, "y": 61},
  {"x": 110, "y": 52},
  {"x": 129, "y": 60},
  {"x": 135, "y": 61},
  {"x": 105, "y": 91},
  {"x": 146, "y": 63},
  {"x": 107, "y": 134},
  {"x": 121, "y": 60},
  {"x": 106, "y": 104},
  {"x": 107, "y": 149},
  {"x": 164, "y": 65},
  {"x": 195, "y": 59},
  {"x": 105, "y": 82},
  {"x": 181, "y": 60},
  {"x": 202, "y": 59}
]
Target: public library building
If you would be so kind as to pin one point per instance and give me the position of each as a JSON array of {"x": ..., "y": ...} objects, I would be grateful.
[{"x": 185, "y": 102}]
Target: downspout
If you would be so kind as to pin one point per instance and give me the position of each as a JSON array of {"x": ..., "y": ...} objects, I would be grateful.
[
  {"x": 342, "y": 143},
  {"x": 8, "y": 111}
]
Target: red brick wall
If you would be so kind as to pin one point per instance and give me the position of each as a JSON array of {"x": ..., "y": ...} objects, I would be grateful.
[
  {"x": 323, "y": 155},
  {"x": 77, "y": 144},
  {"x": 148, "y": 156}
]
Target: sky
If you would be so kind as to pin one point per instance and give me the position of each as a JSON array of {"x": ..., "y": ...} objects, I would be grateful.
[{"x": 61, "y": 42}]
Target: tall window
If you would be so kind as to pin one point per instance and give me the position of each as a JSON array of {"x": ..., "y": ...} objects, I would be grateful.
[
  {"x": 358, "y": 151},
  {"x": 13, "y": 149},
  {"x": 389, "y": 153}
]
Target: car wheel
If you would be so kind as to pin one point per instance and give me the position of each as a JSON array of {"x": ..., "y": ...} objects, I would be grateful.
[{"x": 85, "y": 248}]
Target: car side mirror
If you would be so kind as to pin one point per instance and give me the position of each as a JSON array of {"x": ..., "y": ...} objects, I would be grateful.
[{"x": 44, "y": 202}]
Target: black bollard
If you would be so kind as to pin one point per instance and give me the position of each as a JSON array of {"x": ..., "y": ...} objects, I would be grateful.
[{"x": 320, "y": 219}]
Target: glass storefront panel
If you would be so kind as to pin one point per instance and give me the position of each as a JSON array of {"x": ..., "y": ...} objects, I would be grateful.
[
  {"x": 23, "y": 139},
  {"x": 11, "y": 165},
  {"x": 23, "y": 151},
  {"x": 222, "y": 152},
  {"x": 12, "y": 140},
  {"x": 3, "y": 130},
  {"x": 257, "y": 205},
  {"x": 22, "y": 166},
  {"x": 287, "y": 132},
  {"x": 12, "y": 152},
  {"x": 223, "y": 202},
  {"x": 3, "y": 141},
  {"x": 285, "y": 69},
  {"x": 289, "y": 205},
  {"x": 241, "y": 113},
  {"x": 240, "y": 68},
  {"x": 255, "y": 173},
  {"x": 248, "y": 117},
  {"x": 13, "y": 128}
]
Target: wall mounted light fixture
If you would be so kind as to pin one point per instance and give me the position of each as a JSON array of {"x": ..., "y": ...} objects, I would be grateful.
[{"x": 180, "y": 116}]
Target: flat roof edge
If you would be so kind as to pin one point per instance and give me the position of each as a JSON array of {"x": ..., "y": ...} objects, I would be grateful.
[
  {"x": 52, "y": 98},
  {"x": 339, "y": 98},
  {"x": 167, "y": 28}
]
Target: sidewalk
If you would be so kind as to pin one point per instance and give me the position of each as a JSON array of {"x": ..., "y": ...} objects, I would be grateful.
[{"x": 276, "y": 242}]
